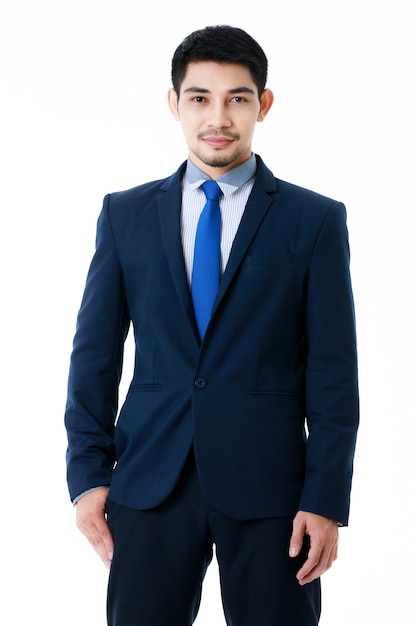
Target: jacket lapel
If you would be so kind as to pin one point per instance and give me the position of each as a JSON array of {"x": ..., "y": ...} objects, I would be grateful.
[
  {"x": 169, "y": 206},
  {"x": 258, "y": 204}
]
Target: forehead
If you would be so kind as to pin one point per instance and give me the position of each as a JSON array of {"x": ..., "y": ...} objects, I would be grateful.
[{"x": 217, "y": 76}]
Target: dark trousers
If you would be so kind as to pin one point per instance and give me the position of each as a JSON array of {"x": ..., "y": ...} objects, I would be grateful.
[{"x": 161, "y": 556}]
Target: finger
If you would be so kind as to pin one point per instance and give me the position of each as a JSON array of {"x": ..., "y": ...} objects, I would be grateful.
[
  {"x": 316, "y": 566},
  {"x": 296, "y": 540},
  {"x": 106, "y": 544},
  {"x": 103, "y": 542},
  {"x": 91, "y": 520},
  {"x": 98, "y": 534},
  {"x": 312, "y": 562}
]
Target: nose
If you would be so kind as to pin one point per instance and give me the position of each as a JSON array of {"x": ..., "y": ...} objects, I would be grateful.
[{"x": 218, "y": 116}]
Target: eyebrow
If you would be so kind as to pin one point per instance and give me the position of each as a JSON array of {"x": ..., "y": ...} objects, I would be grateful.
[{"x": 231, "y": 91}]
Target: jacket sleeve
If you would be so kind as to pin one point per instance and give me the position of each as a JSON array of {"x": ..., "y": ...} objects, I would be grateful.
[
  {"x": 332, "y": 402},
  {"x": 96, "y": 366}
]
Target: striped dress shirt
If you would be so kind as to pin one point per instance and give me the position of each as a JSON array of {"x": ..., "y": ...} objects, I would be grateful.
[{"x": 236, "y": 186}]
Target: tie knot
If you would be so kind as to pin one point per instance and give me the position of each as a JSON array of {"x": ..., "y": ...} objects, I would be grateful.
[{"x": 211, "y": 189}]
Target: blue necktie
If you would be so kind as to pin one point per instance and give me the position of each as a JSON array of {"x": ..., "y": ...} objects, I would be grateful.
[{"x": 206, "y": 265}]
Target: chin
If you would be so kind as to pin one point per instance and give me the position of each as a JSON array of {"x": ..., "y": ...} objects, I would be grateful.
[{"x": 220, "y": 160}]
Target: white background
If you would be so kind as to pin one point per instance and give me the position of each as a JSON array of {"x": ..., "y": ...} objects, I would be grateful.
[{"x": 83, "y": 112}]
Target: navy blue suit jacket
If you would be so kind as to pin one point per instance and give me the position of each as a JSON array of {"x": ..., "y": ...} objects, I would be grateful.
[{"x": 269, "y": 400}]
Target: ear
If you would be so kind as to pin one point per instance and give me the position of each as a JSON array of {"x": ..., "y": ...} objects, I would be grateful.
[
  {"x": 267, "y": 98},
  {"x": 173, "y": 103}
]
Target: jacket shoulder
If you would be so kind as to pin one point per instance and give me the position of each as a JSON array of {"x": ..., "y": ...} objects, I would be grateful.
[
  {"x": 302, "y": 195},
  {"x": 295, "y": 195},
  {"x": 144, "y": 192}
]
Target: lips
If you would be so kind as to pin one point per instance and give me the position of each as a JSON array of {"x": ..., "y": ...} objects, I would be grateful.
[{"x": 217, "y": 142}]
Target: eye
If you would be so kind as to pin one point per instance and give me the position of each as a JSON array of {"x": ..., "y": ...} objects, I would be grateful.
[
  {"x": 238, "y": 99},
  {"x": 198, "y": 99}
]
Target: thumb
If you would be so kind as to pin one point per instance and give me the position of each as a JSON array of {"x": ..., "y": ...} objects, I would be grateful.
[{"x": 297, "y": 537}]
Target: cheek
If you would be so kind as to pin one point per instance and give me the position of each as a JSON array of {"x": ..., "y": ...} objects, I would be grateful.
[
  {"x": 187, "y": 131},
  {"x": 190, "y": 127}
]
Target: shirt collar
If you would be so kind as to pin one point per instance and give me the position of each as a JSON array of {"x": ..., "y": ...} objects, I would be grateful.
[{"x": 228, "y": 182}]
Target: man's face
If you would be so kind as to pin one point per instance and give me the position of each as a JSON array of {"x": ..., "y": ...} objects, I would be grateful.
[{"x": 218, "y": 108}]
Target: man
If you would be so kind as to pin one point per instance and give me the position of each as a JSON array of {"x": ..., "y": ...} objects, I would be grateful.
[{"x": 239, "y": 426}]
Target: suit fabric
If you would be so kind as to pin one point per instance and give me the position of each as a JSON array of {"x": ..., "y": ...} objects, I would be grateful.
[{"x": 269, "y": 398}]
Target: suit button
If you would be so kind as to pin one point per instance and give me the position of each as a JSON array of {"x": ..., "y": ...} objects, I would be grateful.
[{"x": 200, "y": 383}]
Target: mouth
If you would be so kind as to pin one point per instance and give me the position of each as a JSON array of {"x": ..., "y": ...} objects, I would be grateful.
[{"x": 218, "y": 140}]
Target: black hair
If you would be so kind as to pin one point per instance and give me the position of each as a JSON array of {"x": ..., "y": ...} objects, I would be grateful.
[{"x": 221, "y": 44}]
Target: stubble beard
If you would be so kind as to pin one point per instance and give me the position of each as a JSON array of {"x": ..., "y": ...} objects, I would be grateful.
[{"x": 220, "y": 160}]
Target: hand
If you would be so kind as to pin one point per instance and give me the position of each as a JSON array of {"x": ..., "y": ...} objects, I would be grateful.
[
  {"x": 91, "y": 520},
  {"x": 324, "y": 537}
]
